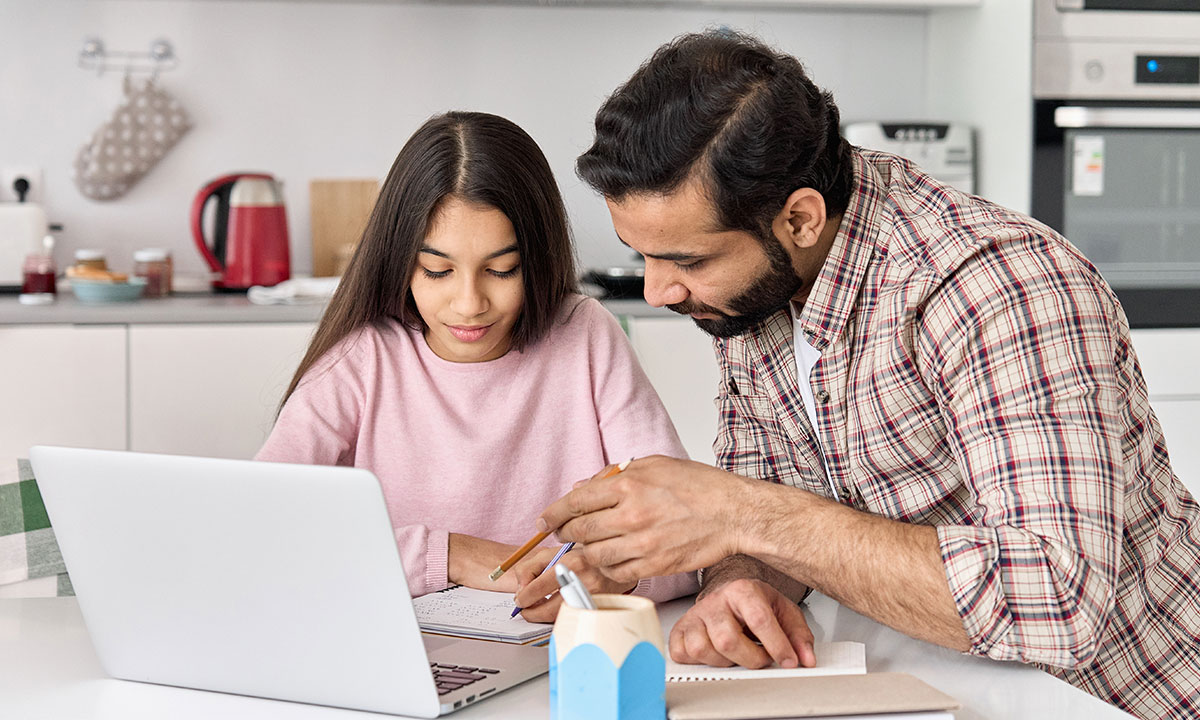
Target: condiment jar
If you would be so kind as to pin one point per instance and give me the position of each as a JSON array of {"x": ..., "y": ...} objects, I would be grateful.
[
  {"x": 38, "y": 277},
  {"x": 155, "y": 265},
  {"x": 90, "y": 258}
]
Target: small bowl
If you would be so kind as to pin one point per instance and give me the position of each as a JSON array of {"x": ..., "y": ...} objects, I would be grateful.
[{"x": 95, "y": 292}]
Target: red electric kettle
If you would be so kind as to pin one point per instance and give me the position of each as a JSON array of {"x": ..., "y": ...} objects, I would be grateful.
[{"x": 250, "y": 238}]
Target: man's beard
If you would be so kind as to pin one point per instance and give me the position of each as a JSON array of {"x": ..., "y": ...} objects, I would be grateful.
[{"x": 763, "y": 297}]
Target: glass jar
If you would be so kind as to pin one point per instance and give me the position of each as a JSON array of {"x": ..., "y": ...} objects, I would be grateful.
[
  {"x": 155, "y": 265},
  {"x": 89, "y": 258},
  {"x": 38, "y": 276}
]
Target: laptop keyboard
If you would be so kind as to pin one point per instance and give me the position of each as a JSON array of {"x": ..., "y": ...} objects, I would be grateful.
[{"x": 452, "y": 677}]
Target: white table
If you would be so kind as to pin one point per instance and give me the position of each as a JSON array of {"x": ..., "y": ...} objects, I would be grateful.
[{"x": 48, "y": 671}]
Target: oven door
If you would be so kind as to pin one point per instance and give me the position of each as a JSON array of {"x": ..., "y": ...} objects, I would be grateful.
[{"x": 1122, "y": 183}]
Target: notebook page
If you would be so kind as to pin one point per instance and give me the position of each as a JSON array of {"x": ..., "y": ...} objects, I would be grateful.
[
  {"x": 833, "y": 658},
  {"x": 474, "y": 613}
]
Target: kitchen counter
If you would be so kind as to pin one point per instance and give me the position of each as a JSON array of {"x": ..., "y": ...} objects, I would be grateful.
[
  {"x": 205, "y": 308},
  {"x": 197, "y": 308}
]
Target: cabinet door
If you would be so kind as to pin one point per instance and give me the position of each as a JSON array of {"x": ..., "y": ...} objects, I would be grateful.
[
  {"x": 1178, "y": 420},
  {"x": 1168, "y": 360},
  {"x": 61, "y": 385},
  {"x": 678, "y": 358},
  {"x": 209, "y": 389}
]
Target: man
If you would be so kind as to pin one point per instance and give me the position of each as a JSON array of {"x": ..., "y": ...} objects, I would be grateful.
[{"x": 941, "y": 392}]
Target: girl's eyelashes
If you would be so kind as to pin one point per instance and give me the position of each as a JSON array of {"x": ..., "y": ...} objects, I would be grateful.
[
  {"x": 434, "y": 275},
  {"x": 506, "y": 273}
]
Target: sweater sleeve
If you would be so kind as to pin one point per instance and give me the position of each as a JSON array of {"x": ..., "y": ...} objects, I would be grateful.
[
  {"x": 633, "y": 421},
  {"x": 319, "y": 425}
]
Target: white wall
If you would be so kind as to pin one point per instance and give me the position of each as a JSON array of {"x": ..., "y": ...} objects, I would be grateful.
[
  {"x": 979, "y": 71},
  {"x": 316, "y": 90}
]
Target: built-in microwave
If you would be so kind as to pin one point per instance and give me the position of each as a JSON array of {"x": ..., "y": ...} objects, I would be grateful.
[{"x": 1116, "y": 164}]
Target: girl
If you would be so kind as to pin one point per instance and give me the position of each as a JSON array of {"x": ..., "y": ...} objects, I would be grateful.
[{"x": 456, "y": 362}]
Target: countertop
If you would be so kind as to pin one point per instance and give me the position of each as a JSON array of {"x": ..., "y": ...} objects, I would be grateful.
[
  {"x": 205, "y": 308},
  {"x": 49, "y": 671}
]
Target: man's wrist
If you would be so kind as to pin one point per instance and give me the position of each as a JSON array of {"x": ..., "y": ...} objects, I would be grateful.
[
  {"x": 734, "y": 567},
  {"x": 743, "y": 516},
  {"x": 745, "y": 567}
]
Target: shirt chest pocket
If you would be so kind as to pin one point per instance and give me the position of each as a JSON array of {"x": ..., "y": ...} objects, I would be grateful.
[{"x": 754, "y": 441}]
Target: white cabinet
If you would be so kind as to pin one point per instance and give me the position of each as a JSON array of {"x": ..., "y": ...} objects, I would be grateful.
[
  {"x": 678, "y": 358},
  {"x": 1168, "y": 359},
  {"x": 61, "y": 385},
  {"x": 209, "y": 389}
]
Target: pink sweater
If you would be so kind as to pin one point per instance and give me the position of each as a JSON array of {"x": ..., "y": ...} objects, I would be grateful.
[{"x": 477, "y": 448}]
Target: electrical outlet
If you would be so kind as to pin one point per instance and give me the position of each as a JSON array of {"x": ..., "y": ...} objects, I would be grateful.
[{"x": 9, "y": 175}]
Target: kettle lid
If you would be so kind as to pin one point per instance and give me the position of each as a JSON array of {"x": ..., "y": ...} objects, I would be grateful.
[{"x": 255, "y": 192}]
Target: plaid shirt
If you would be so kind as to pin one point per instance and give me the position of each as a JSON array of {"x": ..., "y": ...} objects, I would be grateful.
[{"x": 976, "y": 375}]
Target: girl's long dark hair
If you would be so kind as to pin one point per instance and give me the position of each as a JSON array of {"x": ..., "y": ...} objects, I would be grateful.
[{"x": 481, "y": 159}]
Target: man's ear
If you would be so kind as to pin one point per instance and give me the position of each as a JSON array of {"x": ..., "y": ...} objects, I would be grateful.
[{"x": 800, "y": 222}]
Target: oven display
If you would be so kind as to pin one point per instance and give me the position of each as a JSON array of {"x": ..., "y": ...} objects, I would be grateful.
[{"x": 1167, "y": 69}]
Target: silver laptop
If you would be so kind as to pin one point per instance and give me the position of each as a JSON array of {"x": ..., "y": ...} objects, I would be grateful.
[{"x": 262, "y": 579}]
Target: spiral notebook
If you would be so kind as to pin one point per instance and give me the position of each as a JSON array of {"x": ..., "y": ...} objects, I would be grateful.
[
  {"x": 833, "y": 658},
  {"x": 479, "y": 614}
]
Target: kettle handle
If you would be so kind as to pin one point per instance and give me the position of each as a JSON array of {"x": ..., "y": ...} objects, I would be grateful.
[{"x": 198, "y": 204}]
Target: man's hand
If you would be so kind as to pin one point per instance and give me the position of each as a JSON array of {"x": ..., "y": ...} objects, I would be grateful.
[
  {"x": 535, "y": 582},
  {"x": 660, "y": 516},
  {"x": 717, "y": 630}
]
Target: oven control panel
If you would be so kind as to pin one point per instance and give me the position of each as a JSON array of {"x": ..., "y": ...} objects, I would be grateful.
[
  {"x": 1167, "y": 69},
  {"x": 1116, "y": 71}
]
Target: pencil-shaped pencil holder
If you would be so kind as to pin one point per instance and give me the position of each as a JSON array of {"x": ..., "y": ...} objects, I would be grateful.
[{"x": 607, "y": 664}]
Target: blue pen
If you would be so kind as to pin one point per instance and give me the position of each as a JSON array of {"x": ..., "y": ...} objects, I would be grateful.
[{"x": 557, "y": 556}]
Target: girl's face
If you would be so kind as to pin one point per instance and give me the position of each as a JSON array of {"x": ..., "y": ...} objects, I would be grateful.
[{"x": 467, "y": 284}]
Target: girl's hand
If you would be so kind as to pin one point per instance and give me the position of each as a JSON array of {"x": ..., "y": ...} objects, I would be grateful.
[
  {"x": 536, "y": 582},
  {"x": 470, "y": 560}
]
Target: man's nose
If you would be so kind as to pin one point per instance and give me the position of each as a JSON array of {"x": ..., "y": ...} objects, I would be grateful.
[{"x": 662, "y": 288}]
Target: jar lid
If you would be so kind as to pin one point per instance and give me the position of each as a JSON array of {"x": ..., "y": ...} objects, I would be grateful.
[
  {"x": 89, "y": 254},
  {"x": 150, "y": 255}
]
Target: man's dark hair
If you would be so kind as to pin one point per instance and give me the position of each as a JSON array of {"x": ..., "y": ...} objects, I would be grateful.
[{"x": 738, "y": 115}]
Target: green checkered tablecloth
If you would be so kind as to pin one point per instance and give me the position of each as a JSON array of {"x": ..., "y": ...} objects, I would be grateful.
[{"x": 30, "y": 563}]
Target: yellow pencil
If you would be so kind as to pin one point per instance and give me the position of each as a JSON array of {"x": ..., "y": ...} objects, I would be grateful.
[{"x": 537, "y": 539}]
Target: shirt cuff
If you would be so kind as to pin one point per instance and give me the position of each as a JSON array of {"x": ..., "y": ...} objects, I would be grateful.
[
  {"x": 437, "y": 560},
  {"x": 970, "y": 558}
]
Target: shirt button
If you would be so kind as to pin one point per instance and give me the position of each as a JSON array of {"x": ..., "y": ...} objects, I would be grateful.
[
  {"x": 845, "y": 495},
  {"x": 822, "y": 396}
]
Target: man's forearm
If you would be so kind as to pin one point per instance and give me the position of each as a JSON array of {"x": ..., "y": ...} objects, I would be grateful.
[
  {"x": 738, "y": 567},
  {"x": 885, "y": 569}
]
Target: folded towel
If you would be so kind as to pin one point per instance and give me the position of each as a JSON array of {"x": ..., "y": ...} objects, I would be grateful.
[
  {"x": 30, "y": 562},
  {"x": 295, "y": 291}
]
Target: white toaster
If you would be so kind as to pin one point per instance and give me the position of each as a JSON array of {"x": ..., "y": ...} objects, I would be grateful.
[{"x": 22, "y": 227}]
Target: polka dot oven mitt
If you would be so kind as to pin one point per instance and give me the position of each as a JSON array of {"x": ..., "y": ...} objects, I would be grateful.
[{"x": 147, "y": 123}]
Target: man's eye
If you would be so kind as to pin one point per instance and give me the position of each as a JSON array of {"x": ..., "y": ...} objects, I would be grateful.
[
  {"x": 506, "y": 273},
  {"x": 434, "y": 275},
  {"x": 691, "y": 265}
]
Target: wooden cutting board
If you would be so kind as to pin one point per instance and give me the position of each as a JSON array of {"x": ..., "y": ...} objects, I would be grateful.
[{"x": 338, "y": 211}]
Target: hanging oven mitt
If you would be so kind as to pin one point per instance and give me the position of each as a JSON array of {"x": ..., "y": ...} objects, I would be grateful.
[{"x": 147, "y": 123}]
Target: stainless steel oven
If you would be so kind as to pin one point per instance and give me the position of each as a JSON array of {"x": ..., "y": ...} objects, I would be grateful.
[{"x": 1116, "y": 165}]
